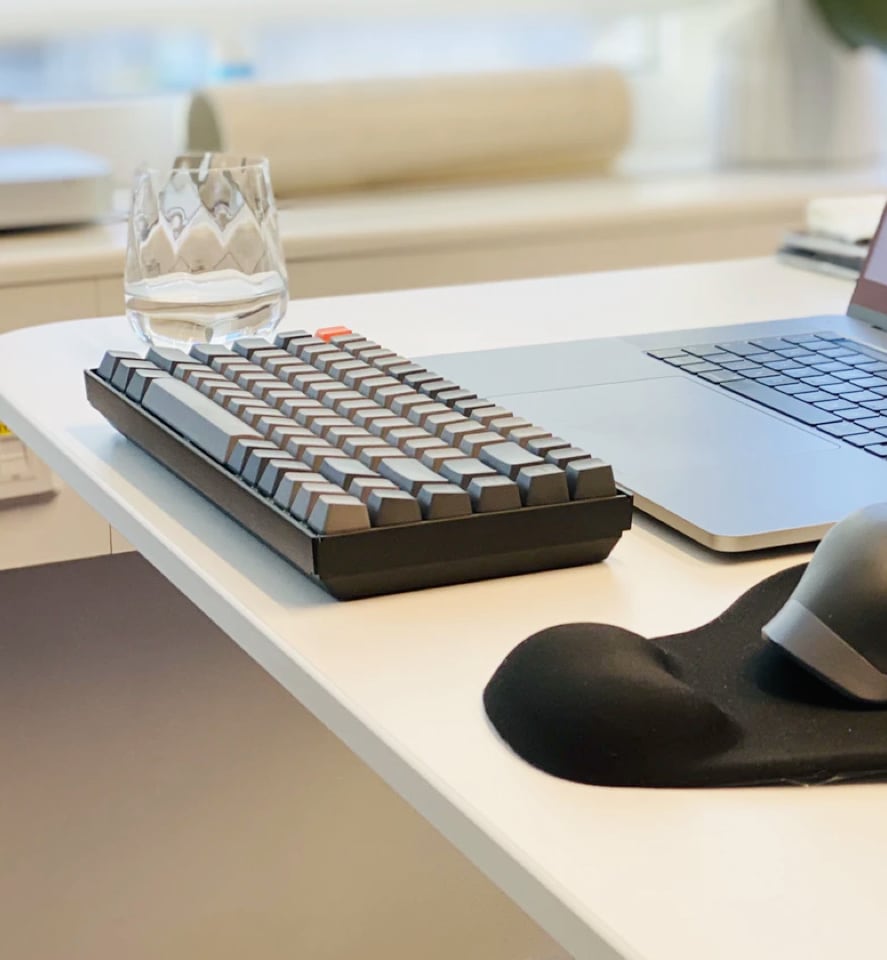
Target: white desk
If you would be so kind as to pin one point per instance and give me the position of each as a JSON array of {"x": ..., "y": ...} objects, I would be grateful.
[{"x": 646, "y": 875}]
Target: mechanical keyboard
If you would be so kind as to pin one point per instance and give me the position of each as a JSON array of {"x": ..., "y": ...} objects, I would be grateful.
[
  {"x": 366, "y": 471},
  {"x": 823, "y": 380}
]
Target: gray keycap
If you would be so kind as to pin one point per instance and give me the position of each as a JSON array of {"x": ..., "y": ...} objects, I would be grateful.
[
  {"x": 207, "y": 425},
  {"x": 338, "y": 368},
  {"x": 249, "y": 379},
  {"x": 125, "y": 368},
  {"x": 589, "y": 479},
  {"x": 288, "y": 431},
  {"x": 256, "y": 462},
  {"x": 473, "y": 443},
  {"x": 274, "y": 472},
  {"x": 338, "y": 435},
  {"x": 508, "y": 458},
  {"x": 305, "y": 380},
  {"x": 110, "y": 360},
  {"x": 488, "y": 414},
  {"x": 433, "y": 387},
  {"x": 387, "y": 395},
  {"x": 370, "y": 386},
  {"x": 340, "y": 400},
  {"x": 451, "y": 397},
  {"x": 370, "y": 415},
  {"x": 454, "y": 432},
  {"x": 434, "y": 457},
  {"x": 439, "y": 501},
  {"x": 287, "y": 370},
  {"x": 541, "y": 484},
  {"x": 402, "y": 370},
  {"x": 322, "y": 390},
  {"x": 207, "y": 352},
  {"x": 225, "y": 395},
  {"x": 374, "y": 354},
  {"x": 323, "y": 425},
  {"x": 283, "y": 340},
  {"x": 274, "y": 395},
  {"x": 420, "y": 412},
  {"x": 471, "y": 405},
  {"x": 271, "y": 356},
  {"x": 349, "y": 408},
  {"x": 355, "y": 376},
  {"x": 292, "y": 405},
  {"x": 562, "y": 456},
  {"x": 259, "y": 412},
  {"x": 168, "y": 358},
  {"x": 523, "y": 435},
  {"x": 314, "y": 351},
  {"x": 505, "y": 425},
  {"x": 139, "y": 381},
  {"x": 352, "y": 446},
  {"x": 296, "y": 345},
  {"x": 242, "y": 450},
  {"x": 404, "y": 402},
  {"x": 436, "y": 423},
  {"x": 342, "y": 470},
  {"x": 311, "y": 416},
  {"x": 463, "y": 470},
  {"x": 344, "y": 339},
  {"x": 362, "y": 487},
  {"x": 307, "y": 495},
  {"x": 247, "y": 346},
  {"x": 416, "y": 447},
  {"x": 388, "y": 508},
  {"x": 184, "y": 371},
  {"x": 229, "y": 364},
  {"x": 338, "y": 513},
  {"x": 201, "y": 374},
  {"x": 290, "y": 484},
  {"x": 395, "y": 361},
  {"x": 493, "y": 493},
  {"x": 407, "y": 473},
  {"x": 372, "y": 456},
  {"x": 416, "y": 378},
  {"x": 318, "y": 453},
  {"x": 398, "y": 434},
  {"x": 390, "y": 426}
]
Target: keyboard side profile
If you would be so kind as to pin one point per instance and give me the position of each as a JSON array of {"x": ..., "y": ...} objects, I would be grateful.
[{"x": 358, "y": 467}]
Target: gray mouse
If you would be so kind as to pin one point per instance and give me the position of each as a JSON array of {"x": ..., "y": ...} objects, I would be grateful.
[{"x": 835, "y": 621}]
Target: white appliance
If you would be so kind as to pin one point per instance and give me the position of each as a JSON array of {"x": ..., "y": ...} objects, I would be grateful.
[{"x": 42, "y": 186}]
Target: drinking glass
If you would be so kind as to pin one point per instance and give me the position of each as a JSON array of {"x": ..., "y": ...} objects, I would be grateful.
[{"x": 203, "y": 259}]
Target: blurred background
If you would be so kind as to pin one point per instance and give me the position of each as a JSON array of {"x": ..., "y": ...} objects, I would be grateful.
[{"x": 676, "y": 57}]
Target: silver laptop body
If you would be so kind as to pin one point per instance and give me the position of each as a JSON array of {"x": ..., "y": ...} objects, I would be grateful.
[{"x": 729, "y": 471}]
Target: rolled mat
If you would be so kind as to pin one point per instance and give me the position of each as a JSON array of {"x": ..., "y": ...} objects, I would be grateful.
[{"x": 346, "y": 135}]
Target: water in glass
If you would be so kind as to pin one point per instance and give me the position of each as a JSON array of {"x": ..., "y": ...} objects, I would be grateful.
[{"x": 204, "y": 263}]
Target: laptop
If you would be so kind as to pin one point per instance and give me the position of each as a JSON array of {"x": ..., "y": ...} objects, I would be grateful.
[{"x": 741, "y": 437}]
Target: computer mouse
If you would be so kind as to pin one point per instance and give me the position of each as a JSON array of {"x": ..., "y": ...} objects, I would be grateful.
[{"x": 835, "y": 621}]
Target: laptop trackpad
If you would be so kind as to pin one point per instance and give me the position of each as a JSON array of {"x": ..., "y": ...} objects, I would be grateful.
[{"x": 652, "y": 429}]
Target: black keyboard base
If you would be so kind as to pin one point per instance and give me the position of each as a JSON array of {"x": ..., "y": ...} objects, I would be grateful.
[{"x": 386, "y": 559}]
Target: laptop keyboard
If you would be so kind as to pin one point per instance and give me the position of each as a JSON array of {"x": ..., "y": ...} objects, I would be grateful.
[
  {"x": 822, "y": 380},
  {"x": 365, "y": 470}
]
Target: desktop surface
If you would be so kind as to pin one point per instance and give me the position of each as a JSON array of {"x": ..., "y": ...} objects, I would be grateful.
[{"x": 640, "y": 874}]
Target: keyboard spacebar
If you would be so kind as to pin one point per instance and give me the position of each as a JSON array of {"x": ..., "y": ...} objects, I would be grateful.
[{"x": 769, "y": 397}]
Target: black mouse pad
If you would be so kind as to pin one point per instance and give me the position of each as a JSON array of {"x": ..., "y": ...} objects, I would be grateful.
[{"x": 717, "y": 706}]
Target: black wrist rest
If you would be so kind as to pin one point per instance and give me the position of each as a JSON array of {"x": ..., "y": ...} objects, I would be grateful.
[{"x": 716, "y": 706}]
